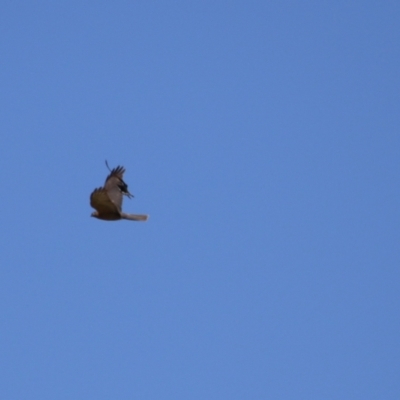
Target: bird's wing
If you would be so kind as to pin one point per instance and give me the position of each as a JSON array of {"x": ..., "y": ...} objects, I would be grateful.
[
  {"x": 115, "y": 186},
  {"x": 116, "y": 177},
  {"x": 100, "y": 201}
]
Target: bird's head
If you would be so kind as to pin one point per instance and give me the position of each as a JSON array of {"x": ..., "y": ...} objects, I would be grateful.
[{"x": 94, "y": 214}]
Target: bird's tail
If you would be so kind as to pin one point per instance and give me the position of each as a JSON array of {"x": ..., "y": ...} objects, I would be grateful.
[{"x": 135, "y": 217}]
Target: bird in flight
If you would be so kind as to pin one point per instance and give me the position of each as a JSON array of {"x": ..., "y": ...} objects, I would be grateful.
[{"x": 107, "y": 200}]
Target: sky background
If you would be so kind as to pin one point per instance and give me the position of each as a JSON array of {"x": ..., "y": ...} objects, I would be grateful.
[{"x": 262, "y": 138}]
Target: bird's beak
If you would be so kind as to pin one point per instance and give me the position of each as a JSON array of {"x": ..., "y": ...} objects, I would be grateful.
[{"x": 130, "y": 195}]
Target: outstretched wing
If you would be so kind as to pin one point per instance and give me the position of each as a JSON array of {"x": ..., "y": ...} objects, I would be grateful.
[
  {"x": 116, "y": 187},
  {"x": 100, "y": 201}
]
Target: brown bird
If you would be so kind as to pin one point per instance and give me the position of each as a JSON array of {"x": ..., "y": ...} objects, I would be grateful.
[{"x": 107, "y": 200}]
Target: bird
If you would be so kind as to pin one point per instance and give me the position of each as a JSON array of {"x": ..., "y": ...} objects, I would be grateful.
[{"x": 107, "y": 200}]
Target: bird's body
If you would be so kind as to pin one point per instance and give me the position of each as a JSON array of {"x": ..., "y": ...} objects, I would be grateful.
[{"x": 107, "y": 200}]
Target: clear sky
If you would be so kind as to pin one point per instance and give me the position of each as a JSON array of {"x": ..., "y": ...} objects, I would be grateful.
[{"x": 262, "y": 137}]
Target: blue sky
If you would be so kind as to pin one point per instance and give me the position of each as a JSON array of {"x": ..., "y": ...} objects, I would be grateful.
[{"x": 263, "y": 140}]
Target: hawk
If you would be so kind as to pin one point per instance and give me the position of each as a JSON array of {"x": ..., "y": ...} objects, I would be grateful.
[{"x": 107, "y": 200}]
